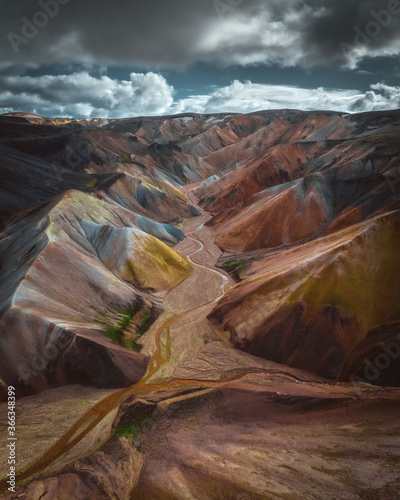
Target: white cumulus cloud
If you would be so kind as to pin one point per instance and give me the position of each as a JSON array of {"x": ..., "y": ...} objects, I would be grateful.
[
  {"x": 245, "y": 97},
  {"x": 83, "y": 95}
]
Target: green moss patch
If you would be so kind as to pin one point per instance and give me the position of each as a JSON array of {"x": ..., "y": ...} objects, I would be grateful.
[
  {"x": 235, "y": 264},
  {"x": 134, "y": 422},
  {"x": 127, "y": 431},
  {"x": 132, "y": 324}
]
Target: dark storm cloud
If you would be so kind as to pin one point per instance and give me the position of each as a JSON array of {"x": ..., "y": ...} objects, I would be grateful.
[
  {"x": 349, "y": 30},
  {"x": 144, "y": 32},
  {"x": 56, "y": 56},
  {"x": 160, "y": 33}
]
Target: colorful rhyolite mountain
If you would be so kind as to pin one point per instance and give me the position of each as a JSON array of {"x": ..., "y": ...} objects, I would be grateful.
[{"x": 202, "y": 307}]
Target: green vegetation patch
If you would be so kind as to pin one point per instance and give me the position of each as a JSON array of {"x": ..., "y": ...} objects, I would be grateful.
[
  {"x": 132, "y": 324},
  {"x": 131, "y": 430},
  {"x": 387, "y": 143},
  {"x": 132, "y": 425},
  {"x": 127, "y": 431},
  {"x": 92, "y": 183},
  {"x": 166, "y": 157},
  {"x": 144, "y": 324},
  {"x": 116, "y": 331},
  {"x": 235, "y": 264}
]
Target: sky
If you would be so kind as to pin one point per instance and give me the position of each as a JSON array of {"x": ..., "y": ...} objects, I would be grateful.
[{"x": 121, "y": 58}]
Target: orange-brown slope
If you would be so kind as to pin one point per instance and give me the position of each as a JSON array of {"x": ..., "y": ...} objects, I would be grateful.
[
  {"x": 278, "y": 216},
  {"x": 309, "y": 306},
  {"x": 344, "y": 185},
  {"x": 220, "y": 132},
  {"x": 280, "y": 164},
  {"x": 283, "y": 129},
  {"x": 356, "y": 156}
]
